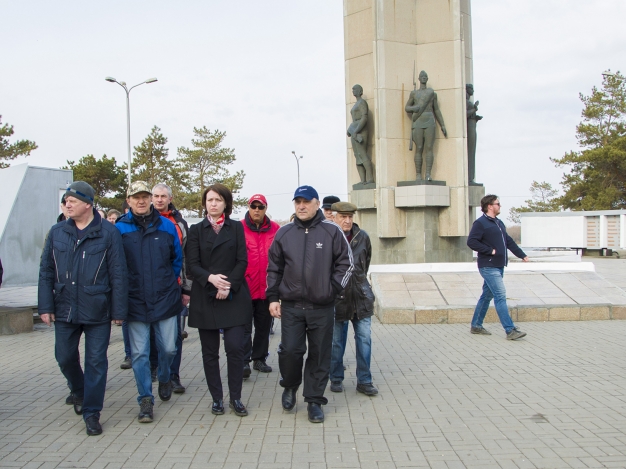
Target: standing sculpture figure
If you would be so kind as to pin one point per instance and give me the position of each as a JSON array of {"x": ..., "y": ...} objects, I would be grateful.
[
  {"x": 422, "y": 104},
  {"x": 472, "y": 119},
  {"x": 357, "y": 131}
]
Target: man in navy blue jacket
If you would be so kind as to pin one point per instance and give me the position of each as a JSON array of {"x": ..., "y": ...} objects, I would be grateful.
[
  {"x": 82, "y": 288},
  {"x": 154, "y": 258},
  {"x": 488, "y": 237}
]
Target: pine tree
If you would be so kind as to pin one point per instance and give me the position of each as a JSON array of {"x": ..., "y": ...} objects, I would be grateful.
[{"x": 9, "y": 151}]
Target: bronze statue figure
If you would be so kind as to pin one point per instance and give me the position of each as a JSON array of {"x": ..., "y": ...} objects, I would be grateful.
[
  {"x": 472, "y": 119},
  {"x": 424, "y": 110},
  {"x": 357, "y": 131}
]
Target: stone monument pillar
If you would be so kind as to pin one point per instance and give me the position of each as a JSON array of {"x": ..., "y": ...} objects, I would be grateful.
[{"x": 384, "y": 39}]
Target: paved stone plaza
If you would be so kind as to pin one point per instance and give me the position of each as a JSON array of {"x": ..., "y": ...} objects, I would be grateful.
[{"x": 448, "y": 399}]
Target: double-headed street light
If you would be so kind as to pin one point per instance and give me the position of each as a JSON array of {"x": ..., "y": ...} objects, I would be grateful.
[
  {"x": 128, "y": 90},
  {"x": 298, "y": 158}
]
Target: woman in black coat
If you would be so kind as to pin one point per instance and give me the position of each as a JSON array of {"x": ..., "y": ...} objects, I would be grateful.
[{"x": 217, "y": 260}]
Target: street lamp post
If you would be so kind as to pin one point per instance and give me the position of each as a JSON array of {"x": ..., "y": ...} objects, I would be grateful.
[
  {"x": 298, "y": 158},
  {"x": 128, "y": 90}
]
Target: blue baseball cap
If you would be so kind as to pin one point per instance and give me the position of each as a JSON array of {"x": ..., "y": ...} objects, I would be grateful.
[{"x": 306, "y": 192}]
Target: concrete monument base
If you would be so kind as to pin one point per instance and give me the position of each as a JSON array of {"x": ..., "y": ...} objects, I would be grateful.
[
  {"x": 361, "y": 186},
  {"x": 421, "y": 182},
  {"x": 15, "y": 320}
]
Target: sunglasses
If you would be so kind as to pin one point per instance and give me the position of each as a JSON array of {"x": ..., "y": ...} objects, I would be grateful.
[{"x": 257, "y": 207}]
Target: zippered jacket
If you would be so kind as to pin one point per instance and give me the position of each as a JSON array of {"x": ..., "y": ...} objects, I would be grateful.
[
  {"x": 175, "y": 217},
  {"x": 83, "y": 282},
  {"x": 488, "y": 234},
  {"x": 308, "y": 266},
  {"x": 357, "y": 299},
  {"x": 258, "y": 242},
  {"x": 154, "y": 259}
]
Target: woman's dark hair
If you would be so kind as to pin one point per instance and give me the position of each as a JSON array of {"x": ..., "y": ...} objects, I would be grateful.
[
  {"x": 486, "y": 201},
  {"x": 224, "y": 193}
]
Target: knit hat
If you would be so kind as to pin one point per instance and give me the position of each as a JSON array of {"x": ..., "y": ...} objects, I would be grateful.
[{"x": 82, "y": 191}]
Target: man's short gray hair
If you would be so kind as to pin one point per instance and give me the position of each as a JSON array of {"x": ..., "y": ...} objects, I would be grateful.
[{"x": 163, "y": 186}]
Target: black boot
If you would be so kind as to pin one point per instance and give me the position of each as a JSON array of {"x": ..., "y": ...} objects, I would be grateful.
[
  {"x": 218, "y": 407},
  {"x": 289, "y": 398},
  {"x": 238, "y": 407},
  {"x": 316, "y": 414},
  {"x": 93, "y": 425}
]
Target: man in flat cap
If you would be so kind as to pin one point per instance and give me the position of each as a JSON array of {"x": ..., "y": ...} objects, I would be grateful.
[
  {"x": 82, "y": 288},
  {"x": 310, "y": 263},
  {"x": 356, "y": 305},
  {"x": 154, "y": 258}
]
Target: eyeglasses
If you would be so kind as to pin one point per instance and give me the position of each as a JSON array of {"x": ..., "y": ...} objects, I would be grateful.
[{"x": 257, "y": 207}]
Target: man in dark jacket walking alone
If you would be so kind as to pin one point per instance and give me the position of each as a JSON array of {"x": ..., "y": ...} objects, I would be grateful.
[
  {"x": 154, "y": 258},
  {"x": 310, "y": 263},
  {"x": 488, "y": 237},
  {"x": 82, "y": 288},
  {"x": 356, "y": 305},
  {"x": 260, "y": 232}
]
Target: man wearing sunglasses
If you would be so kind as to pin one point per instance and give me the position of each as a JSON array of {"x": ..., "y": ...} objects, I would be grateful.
[
  {"x": 488, "y": 237},
  {"x": 259, "y": 231}
]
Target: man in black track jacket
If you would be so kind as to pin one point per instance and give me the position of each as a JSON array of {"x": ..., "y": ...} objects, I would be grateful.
[{"x": 310, "y": 263}]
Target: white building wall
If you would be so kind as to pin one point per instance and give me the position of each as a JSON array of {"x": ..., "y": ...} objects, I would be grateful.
[{"x": 562, "y": 232}]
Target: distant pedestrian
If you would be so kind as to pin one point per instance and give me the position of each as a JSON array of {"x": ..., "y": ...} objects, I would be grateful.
[
  {"x": 63, "y": 215},
  {"x": 113, "y": 215},
  {"x": 260, "y": 232},
  {"x": 220, "y": 299},
  {"x": 310, "y": 263},
  {"x": 83, "y": 285},
  {"x": 154, "y": 258},
  {"x": 356, "y": 305},
  {"x": 488, "y": 237}
]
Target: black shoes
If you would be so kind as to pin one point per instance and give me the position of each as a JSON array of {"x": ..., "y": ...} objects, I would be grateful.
[
  {"x": 93, "y": 425},
  {"x": 238, "y": 407},
  {"x": 479, "y": 330},
  {"x": 289, "y": 398},
  {"x": 177, "y": 388},
  {"x": 218, "y": 407},
  {"x": 146, "y": 414},
  {"x": 69, "y": 400},
  {"x": 153, "y": 374},
  {"x": 127, "y": 364},
  {"x": 184, "y": 334},
  {"x": 336, "y": 386},
  {"x": 165, "y": 390},
  {"x": 78, "y": 405},
  {"x": 316, "y": 414},
  {"x": 367, "y": 389},
  {"x": 246, "y": 371},
  {"x": 261, "y": 366}
]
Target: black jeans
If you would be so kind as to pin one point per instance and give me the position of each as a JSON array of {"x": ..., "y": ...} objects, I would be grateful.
[
  {"x": 298, "y": 325},
  {"x": 257, "y": 349},
  {"x": 233, "y": 343},
  {"x": 91, "y": 384}
]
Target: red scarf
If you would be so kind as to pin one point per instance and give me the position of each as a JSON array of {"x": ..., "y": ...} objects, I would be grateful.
[{"x": 217, "y": 225}]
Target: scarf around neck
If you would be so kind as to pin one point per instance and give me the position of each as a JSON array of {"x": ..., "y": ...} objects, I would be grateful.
[{"x": 216, "y": 225}]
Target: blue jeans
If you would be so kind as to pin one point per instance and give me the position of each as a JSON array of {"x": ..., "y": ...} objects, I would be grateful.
[
  {"x": 493, "y": 288},
  {"x": 126, "y": 339},
  {"x": 363, "y": 343},
  {"x": 154, "y": 355},
  {"x": 91, "y": 384},
  {"x": 165, "y": 334}
]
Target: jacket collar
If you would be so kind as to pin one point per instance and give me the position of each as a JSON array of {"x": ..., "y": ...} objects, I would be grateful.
[
  {"x": 225, "y": 233},
  {"x": 317, "y": 219},
  {"x": 94, "y": 228},
  {"x": 265, "y": 226}
]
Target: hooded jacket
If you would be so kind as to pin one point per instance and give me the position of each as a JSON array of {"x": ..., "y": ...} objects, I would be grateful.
[
  {"x": 488, "y": 234},
  {"x": 357, "y": 300},
  {"x": 308, "y": 266},
  {"x": 175, "y": 217},
  {"x": 83, "y": 282},
  {"x": 154, "y": 259},
  {"x": 258, "y": 242}
]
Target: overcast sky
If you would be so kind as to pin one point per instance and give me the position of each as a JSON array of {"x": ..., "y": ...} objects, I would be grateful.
[{"x": 271, "y": 74}]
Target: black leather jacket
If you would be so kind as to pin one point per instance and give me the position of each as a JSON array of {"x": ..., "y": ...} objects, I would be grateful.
[{"x": 358, "y": 298}]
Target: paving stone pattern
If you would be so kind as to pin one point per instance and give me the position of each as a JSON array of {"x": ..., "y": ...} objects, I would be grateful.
[{"x": 448, "y": 399}]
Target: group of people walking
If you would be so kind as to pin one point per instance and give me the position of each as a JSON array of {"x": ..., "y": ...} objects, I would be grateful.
[{"x": 147, "y": 266}]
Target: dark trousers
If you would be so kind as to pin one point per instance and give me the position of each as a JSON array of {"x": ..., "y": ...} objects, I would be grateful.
[
  {"x": 233, "y": 344},
  {"x": 257, "y": 349},
  {"x": 91, "y": 384},
  {"x": 154, "y": 354},
  {"x": 297, "y": 326}
]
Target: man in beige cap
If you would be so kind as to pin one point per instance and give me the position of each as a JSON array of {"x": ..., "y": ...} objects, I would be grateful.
[
  {"x": 154, "y": 258},
  {"x": 356, "y": 305}
]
